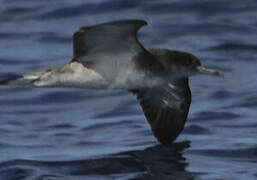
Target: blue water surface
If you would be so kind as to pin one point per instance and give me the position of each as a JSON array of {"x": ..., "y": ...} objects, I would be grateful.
[{"x": 74, "y": 134}]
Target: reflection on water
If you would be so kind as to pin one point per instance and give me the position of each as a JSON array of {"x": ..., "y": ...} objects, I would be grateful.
[
  {"x": 158, "y": 162},
  {"x": 81, "y": 134}
]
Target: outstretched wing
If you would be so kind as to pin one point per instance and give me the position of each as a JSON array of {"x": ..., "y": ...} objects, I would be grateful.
[
  {"x": 112, "y": 49},
  {"x": 166, "y": 108},
  {"x": 107, "y": 41}
]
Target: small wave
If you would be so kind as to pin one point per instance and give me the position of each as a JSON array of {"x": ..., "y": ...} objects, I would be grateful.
[
  {"x": 89, "y": 8},
  {"x": 20, "y": 11},
  {"x": 53, "y": 38},
  {"x": 210, "y": 115},
  {"x": 233, "y": 47},
  {"x": 248, "y": 154},
  {"x": 196, "y": 130},
  {"x": 158, "y": 162}
]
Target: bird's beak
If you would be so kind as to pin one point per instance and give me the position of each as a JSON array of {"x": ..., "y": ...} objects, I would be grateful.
[{"x": 208, "y": 71}]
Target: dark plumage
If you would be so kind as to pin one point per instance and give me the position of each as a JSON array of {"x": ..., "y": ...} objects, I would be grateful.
[{"x": 166, "y": 108}]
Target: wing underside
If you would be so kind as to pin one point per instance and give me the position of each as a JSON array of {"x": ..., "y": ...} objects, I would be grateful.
[{"x": 166, "y": 108}]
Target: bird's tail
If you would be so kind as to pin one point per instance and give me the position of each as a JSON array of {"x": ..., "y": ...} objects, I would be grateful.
[
  {"x": 60, "y": 76},
  {"x": 25, "y": 80},
  {"x": 69, "y": 75},
  {"x": 8, "y": 81}
]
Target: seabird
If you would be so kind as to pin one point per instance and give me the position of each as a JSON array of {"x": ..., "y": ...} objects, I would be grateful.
[{"x": 109, "y": 56}]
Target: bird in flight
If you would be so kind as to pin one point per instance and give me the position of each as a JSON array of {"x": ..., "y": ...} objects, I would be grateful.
[{"x": 109, "y": 56}]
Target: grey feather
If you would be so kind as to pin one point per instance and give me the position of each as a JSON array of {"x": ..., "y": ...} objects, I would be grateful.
[
  {"x": 109, "y": 39},
  {"x": 110, "y": 48}
]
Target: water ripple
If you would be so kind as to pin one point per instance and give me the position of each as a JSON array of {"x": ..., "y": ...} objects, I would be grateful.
[
  {"x": 234, "y": 47},
  {"x": 145, "y": 163},
  {"x": 89, "y": 8},
  {"x": 247, "y": 154},
  {"x": 196, "y": 130},
  {"x": 203, "y": 116}
]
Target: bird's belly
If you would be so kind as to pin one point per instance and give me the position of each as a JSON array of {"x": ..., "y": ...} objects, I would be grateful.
[
  {"x": 72, "y": 75},
  {"x": 77, "y": 76}
]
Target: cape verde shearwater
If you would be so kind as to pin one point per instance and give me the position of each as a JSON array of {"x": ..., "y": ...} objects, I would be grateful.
[{"x": 109, "y": 56}]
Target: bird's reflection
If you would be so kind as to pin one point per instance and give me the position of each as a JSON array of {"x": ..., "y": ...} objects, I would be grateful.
[
  {"x": 163, "y": 162},
  {"x": 158, "y": 162}
]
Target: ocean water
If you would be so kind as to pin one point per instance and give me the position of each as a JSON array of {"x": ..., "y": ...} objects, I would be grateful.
[{"x": 74, "y": 134}]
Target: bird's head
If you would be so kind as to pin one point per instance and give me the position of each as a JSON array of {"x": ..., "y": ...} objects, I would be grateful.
[{"x": 187, "y": 64}]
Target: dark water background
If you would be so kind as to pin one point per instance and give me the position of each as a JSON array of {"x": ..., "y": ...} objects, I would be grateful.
[{"x": 50, "y": 134}]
